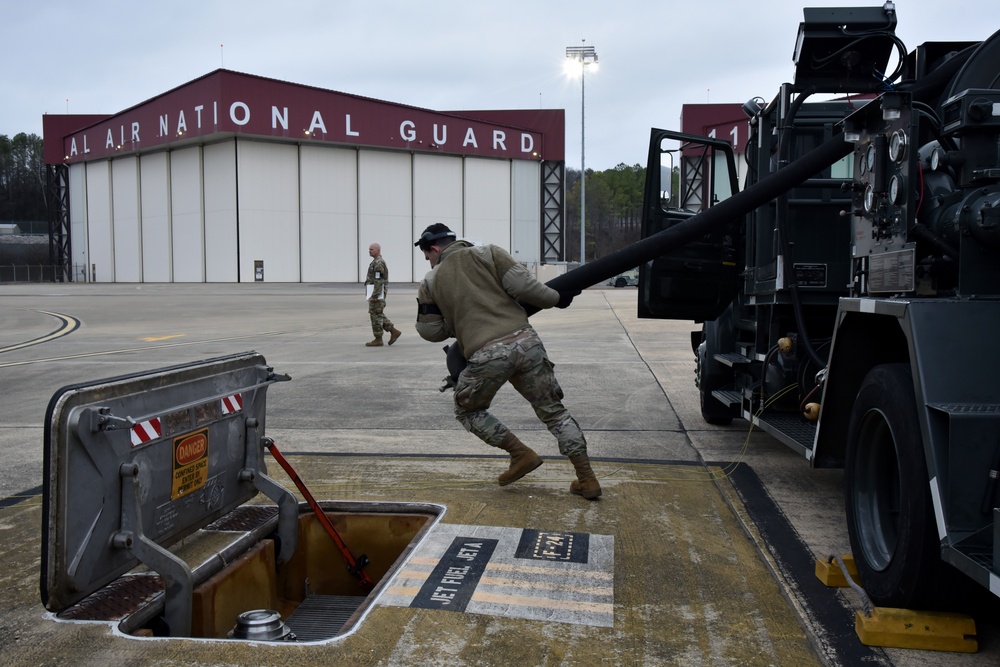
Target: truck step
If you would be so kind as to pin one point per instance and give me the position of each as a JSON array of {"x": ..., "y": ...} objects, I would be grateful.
[
  {"x": 727, "y": 397},
  {"x": 790, "y": 428},
  {"x": 732, "y": 359}
]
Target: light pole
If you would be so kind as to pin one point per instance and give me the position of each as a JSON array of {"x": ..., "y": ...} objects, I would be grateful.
[{"x": 585, "y": 55}]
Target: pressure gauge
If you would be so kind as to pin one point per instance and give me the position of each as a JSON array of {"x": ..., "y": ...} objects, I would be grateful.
[
  {"x": 862, "y": 164},
  {"x": 870, "y": 157},
  {"x": 869, "y": 198},
  {"x": 937, "y": 158},
  {"x": 897, "y": 146},
  {"x": 896, "y": 189}
]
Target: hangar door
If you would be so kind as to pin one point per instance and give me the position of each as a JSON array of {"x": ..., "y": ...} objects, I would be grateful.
[{"x": 305, "y": 213}]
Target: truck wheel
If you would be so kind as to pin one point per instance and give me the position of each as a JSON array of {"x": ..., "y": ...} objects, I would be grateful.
[
  {"x": 890, "y": 516},
  {"x": 711, "y": 374},
  {"x": 621, "y": 282}
]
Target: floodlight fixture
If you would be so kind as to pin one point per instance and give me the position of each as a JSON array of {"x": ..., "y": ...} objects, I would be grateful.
[{"x": 585, "y": 54}]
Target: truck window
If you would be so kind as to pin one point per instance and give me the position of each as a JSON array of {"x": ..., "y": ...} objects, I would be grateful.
[{"x": 667, "y": 176}]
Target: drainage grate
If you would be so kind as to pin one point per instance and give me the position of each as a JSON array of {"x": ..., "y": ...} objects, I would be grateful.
[
  {"x": 244, "y": 518},
  {"x": 322, "y": 617},
  {"x": 122, "y": 597}
]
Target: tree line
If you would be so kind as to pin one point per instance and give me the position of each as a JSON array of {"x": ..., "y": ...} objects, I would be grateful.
[
  {"x": 613, "y": 210},
  {"x": 22, "y": 178}
]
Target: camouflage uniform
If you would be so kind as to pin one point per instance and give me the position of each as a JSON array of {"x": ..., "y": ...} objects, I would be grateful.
[
  {"x": 378, "y": 275},
  {"x": 471, "y": 295},
  {"x": 519, "y": 358}
]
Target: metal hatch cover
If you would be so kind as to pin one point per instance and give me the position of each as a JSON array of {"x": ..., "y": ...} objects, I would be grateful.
[{"x": 135, "y": 463}]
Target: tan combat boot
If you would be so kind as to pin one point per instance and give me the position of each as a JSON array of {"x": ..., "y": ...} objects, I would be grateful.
[
  {"x": 523, "y": 459},
  {"x": 375, "y": 342},
  {"x": 586, "y": 483},
  {"x": 394, "y": 333}
]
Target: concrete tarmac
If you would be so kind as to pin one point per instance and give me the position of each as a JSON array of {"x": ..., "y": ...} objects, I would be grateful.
[{"x": 707, "y": 535}]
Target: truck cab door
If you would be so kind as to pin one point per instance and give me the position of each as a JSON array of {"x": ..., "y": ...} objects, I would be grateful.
[{"x": 697, "y": 281}]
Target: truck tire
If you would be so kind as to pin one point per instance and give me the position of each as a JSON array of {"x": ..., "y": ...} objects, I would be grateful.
[
  {"x": 621, "y": 282},
  {"x": 890, "y": 515},
  {"x": 711, "y": 374}
]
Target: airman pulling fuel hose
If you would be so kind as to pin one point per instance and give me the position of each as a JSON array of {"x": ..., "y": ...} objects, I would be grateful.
[{"x": 683, "y": 233}]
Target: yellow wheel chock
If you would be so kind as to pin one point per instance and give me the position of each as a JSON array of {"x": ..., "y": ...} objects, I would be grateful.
[
  {"x": 900, "y": 628},
  {"x": 928, "y": 630},
  {"x": 831, "y": 575}
]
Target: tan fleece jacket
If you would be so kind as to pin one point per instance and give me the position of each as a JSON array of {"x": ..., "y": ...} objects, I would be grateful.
[{"x": 476, "y": 288}]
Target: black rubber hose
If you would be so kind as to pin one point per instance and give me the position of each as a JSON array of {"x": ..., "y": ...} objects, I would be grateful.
[
  {"x": 929, "y": 88},
  {"x": 734, "y": 207},
  {"x": 786, "y": 251}
]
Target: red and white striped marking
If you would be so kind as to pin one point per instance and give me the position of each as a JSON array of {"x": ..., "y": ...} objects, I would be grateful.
[
  {"x": 231, "y": 404},
  {"x": 145, "y": 431}
]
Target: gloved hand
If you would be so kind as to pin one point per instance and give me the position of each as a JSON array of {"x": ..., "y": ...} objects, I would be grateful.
[
  {"x": 566, "y": 298},
  {"x": 456, "y": 364}
]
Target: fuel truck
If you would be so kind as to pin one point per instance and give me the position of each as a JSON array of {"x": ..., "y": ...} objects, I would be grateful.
[{"x": 849, "y": 293}]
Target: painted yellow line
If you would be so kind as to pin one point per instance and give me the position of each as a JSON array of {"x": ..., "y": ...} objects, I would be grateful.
[
  {"x": 399, "y": 589},
  {"x": 419, "y": 575},
  {"x": 546, "y": 603},
  {"x": 504, "y": 567},
  {"x": 532, "y": 569},
  {"x": 85, "y": 355},
  {"x": 425, "y": 560},
  {"x": 509, "y": 582},
  {"x": 153, "y": 339},
  {"x": 69, "y": 325}
]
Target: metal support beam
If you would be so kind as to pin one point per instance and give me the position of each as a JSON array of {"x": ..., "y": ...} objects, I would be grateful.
[
  {"x": 57, "y": 200},
  {"x": 553, "y": 213}
]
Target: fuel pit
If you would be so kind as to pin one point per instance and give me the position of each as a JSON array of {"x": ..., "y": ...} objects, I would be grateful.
[{"x": 159, "y": 516}]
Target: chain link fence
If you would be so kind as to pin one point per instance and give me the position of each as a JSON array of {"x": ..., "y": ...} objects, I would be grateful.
[{"x": 41, "y": 273}]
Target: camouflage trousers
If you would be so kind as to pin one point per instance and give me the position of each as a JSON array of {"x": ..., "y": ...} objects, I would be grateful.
[
  {"x": 520, "y": 359},
  {"x": 380, "y": 323}
]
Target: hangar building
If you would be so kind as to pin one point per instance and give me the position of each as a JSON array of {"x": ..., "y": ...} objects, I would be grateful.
[{"x": 239, "y": 178}]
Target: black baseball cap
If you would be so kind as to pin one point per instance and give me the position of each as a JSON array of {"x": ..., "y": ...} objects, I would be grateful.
[{"x": 434, "y": 232}]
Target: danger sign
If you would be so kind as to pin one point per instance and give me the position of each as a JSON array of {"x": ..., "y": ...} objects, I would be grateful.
[{"x": 190, "y": 463}]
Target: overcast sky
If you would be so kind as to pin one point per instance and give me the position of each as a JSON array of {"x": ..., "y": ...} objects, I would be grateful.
[{"x": 103, "y": 56}]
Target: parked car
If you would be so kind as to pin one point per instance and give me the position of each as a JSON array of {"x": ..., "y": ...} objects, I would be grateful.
[{"x": 630, "y": 277}]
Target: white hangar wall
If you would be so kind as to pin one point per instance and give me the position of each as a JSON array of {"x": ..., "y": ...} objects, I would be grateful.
[
  {"x": 125, "y": 214},
  {"x": 525, "y": 202},
  {"x": 268, "y": 204},
  {"x": 438, "y": 196},
  {"x": 154, "y": 215},
  {"x": 329, "y": 212},
  {"x": 78, "y": 217},
  {"x": 184, "y": 216},
  {"x": 100, "y": 231},
  {"x": 219, "y": 213},
  {"x": 385, "y": 211},
  {"x": 306, "y": 212}
]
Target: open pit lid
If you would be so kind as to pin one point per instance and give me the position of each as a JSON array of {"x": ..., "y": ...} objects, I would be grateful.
[{"x": 161, "y": 453}]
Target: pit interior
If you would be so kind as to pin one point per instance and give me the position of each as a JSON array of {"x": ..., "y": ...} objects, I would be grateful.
[{"x": 316, "y": 596}]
